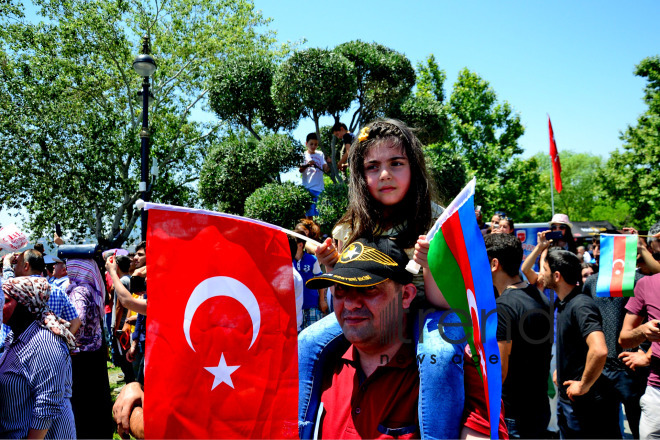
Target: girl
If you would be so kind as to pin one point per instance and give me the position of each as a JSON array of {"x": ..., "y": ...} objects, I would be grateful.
[
  {"x": 390, "y": 195},
  {"x": 505, "y": 227}
]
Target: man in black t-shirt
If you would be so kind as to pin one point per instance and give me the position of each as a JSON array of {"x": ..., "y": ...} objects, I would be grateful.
[
  {"x": 340, "y": 130},
  {"x": 524, "y": 335},
  {"x": 583, "y": 411}
]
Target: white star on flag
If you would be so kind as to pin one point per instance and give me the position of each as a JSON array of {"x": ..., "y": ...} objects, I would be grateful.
[{"x": 222, "y": 372}]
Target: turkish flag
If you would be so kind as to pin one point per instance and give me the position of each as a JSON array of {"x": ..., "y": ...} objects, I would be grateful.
[
  {"x": 554, "y": 156},
  {"x": 221, "y": 349}
]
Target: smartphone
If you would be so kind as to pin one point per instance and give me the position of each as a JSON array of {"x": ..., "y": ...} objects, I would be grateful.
[
  {"x": 556, "y": 235},
  {"x": 58, "y": 230}
]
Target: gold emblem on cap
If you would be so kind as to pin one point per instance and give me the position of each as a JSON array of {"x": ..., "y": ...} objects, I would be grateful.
[{"x": 358, "y": 252}]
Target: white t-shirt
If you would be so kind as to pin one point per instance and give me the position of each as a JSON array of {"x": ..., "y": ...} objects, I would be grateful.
[{"x": 312, "y": 177}]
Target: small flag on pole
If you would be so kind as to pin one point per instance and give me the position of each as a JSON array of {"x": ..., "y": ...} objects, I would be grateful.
[
  {"x": 618, "y": 258},
  {"x": 459, "y": 265},
  {"x": 554, "y": 156}
]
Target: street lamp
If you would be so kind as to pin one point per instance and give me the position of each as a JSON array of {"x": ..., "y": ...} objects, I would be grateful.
[{"x": 145, "y": 66}]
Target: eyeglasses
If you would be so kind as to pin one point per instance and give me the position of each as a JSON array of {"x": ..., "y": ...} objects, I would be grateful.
[{"x": 555, "y": 227}]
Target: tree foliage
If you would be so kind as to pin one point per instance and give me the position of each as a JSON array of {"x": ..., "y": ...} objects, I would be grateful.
[
  {"x": 633, "y": 174},
  {"x": 485, "y": 132},
  {"x": 69, "y": 119},
  {"x": 384, "y": 79},
  {"x": 448, "y": 171},
  {"x": 281, "y": 204},
  {"x": 240, "y": 93},
  {"x": 235, "y": 168}
]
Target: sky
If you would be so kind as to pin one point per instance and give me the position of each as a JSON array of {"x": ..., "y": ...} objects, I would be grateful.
[{"x": 572, "y": 60}]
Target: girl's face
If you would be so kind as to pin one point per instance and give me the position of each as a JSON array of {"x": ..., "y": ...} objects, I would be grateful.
[
  {"x": 505, "y": 227},
  {"x": 586, "y": 273},
  {"x": 387, "y": 172}
]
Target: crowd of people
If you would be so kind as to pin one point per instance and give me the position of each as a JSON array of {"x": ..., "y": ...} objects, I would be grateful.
[{"x": 569, "y": 358}]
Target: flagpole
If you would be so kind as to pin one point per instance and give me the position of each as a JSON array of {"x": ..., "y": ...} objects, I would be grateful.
[{"x": 552, "y": 192}]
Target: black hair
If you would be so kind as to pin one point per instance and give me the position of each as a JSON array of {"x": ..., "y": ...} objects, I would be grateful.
[
  {"x": 50, "y": 267},
  {"x": 338, "y": 126},
  {"x": 123, "y": 263},
  {"x": 508, "y": 251},
  {"x": 589, "y": 266},
  {"x": 293, "y": 246},
  {"x": 141, "y": 245},
  {"x": 566, "y": 263},
  {"x": 365, "y": 215},
  {"x": 35, "y": 259},
  {"x": 39, "y": 247},
  {"x": 312, "y": 136}
]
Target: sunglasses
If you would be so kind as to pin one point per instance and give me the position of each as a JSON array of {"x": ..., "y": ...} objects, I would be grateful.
[{"x": 555, "y": 227}]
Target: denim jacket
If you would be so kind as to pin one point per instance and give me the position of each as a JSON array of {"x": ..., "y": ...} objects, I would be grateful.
[{"x": 440, "y": 362}]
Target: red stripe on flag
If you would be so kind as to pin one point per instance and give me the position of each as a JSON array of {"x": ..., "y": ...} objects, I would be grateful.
[
  {"x": 618, "y": 264},
  {"x": 452, "y": 230},
  {"x": 453, "y": 233}
]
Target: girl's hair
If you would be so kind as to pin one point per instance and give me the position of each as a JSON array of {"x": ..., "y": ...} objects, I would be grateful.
[
  {"x": 365, "y": 215},
  {"x": 590, "y": 266}
]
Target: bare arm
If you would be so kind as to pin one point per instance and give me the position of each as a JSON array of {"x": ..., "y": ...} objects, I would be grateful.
[
  {"x": 634, "y": 332},
  {"x": 75, "y": 325},
  {"x": 138, "y": 305},
  {"x": 528, "y": 265},
  {"x": 37, "y": 433},
  {"x": 596, "y": 357},
  {"x": 636, "y": 359},
  {"x": 344, "y": 158}
]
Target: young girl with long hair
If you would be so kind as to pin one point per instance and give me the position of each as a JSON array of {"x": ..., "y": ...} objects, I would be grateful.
[{"x": 390, "y": 194}]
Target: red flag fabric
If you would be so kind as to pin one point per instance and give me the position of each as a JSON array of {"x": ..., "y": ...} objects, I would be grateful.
[
  {"x": 554, "y": 156},
  {"x": 221, "y": 349}
]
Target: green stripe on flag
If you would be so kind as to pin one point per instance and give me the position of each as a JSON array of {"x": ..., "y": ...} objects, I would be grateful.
[
  {"x": 447, "y": 274},
  {"x": 628, "y": 283}
]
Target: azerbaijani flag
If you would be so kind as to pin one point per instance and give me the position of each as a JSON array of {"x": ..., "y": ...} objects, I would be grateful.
[
  {"x": 618, "y": 258},
  {"x": 459, "y": 265}
]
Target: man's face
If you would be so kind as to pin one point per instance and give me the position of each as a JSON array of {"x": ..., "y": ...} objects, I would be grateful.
[
  {"x": 596, "y": 251},
  {"x": 140, "y": 258},
  {"x": 655, "y": 246},
  {"x": 361, "y": 311},
  {"x": 21, "y": 268},
  {"x": 546, "y": 275},
  {"x": 312, "y": 145},
  {"x": 8, "y": 308},
  {"x": 59, "y": 270},
  {"x": 339, "y": 134}
]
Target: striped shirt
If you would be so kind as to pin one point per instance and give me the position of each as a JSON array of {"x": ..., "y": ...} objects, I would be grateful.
[{"x": 35, "y": 385}]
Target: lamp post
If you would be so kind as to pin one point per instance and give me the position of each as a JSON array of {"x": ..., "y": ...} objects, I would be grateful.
[{"x": 145, "y": 66}]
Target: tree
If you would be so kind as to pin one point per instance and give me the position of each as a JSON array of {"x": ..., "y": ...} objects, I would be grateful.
[
  {"x": 384, "y": 79},
  {"x": 485, "y": 133},
  {"x": 240, "y": 93},
  {"x": 632, "y": 175},
  {"x": 281, "y": 204},
  {"x": 235, "y": 168},
  {"x": 69, "y": 120},
  {"x": 448, "y": 171},
  {"x": 312, "y": 83}
]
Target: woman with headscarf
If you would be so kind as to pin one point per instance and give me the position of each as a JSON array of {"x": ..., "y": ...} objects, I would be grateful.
[
  {"x": 35, "y": 369},
  {"x": 91, "y": 401}
]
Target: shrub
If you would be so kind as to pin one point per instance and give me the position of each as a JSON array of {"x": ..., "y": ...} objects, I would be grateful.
[
  {"x": 333, "y": 203},
  {"x": 281, "y": 204}
]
